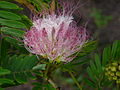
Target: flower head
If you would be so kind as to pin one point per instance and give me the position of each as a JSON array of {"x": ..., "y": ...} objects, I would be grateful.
[{"x": 55, "y": 36}]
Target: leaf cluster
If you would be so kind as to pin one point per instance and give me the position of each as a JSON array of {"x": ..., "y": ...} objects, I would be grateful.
[{"x": 96, "y": 69}]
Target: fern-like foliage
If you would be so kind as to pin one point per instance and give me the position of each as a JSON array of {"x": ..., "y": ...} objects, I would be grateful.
[
  {"x": 96, "y": 69},
  {"x": 12, "y": 22},
  {"x": 14, "y": 68}
]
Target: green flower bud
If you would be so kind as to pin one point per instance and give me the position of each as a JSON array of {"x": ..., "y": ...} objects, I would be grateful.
[
  {"x": 119, "y": 67},
  {"x": 118, "y": 81},
  {"x": 115, "y": 78},
  {"x": 113, "y": 69},
  {"x": 110, "y": 78},
  {"x": 109, "y": 72},
  {"x": 115, "y": 64},
  {"x": 112, "y": 74},
  {"x": 109, "y": 67},
  {"x": 106, "y": 69},
  {"x": 118, "y": 73},
  {"x": 106, "y": 74}
]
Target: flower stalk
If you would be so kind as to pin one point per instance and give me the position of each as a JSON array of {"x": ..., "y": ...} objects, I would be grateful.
[
  {"x": 53, "y": 84},
  {"x": 47, "y": 69},
  {"x": 74, "y": 79}
]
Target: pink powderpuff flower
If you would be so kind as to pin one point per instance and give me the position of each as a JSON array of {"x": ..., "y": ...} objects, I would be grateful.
[{"x": 56, "y": 36}]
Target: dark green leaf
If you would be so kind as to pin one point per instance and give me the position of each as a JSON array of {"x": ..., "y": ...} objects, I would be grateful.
[
  {"x": 12, "y": 31},
  {"x": 3, "y": 52},
  {"x": 93, "y": 68},
  {"x": 12, "y": 23},
  {"x": 8, "y": 5},
  {"x": 4, "y": 71},
  {"x": 6, "y": 81},
  {"x": 49, "y": 87},
  {"x": 17, "y": 44},
  {"x": 36, "y": 84},
  {"x": 106, "y": 82},
  {"x": 81, "y": 62},
  {"x": 106, "y": 55},
  {"x": 118, "y": 51},
  {"x": 98, "y": 63},
  {"x": 26, "y": 21},
  {"x": 21, "y": 67},
  {"x": 30, "y": 75},
  {"x": 91, "y": 75},
  {"x": 89, "y": 47},
  {"x": 21, "y": 77},
  {"x": 90, "y": 83},
  {"x": 22, "y": 63},
  {"x": 114, "y": 49},
  {"x": 39, "y": 67},
  {"x": 36, "y": 88},
  {"x": 12, "y": 40},
  {"x": 9, "y": 15},
  {"x": 38, "y": 73}
]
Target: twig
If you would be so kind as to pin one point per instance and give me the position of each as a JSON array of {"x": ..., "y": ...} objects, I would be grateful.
[
  {"x": 53, "y": 84},
  {"x": 74, "y": 79}
]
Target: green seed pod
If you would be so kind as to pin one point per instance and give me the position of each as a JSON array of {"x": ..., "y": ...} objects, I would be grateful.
[
  {"x": 109, "y": 72},
  {"x": 113, "y": 69},
  {"x": 118, "y": 73},
  {"x": 119, "y": 67},
  {"x": 106, "y": 74},
  {"x": 115, "y": 64},
  {"x": 115, "y": 78},
  {"x": 109, "y": 67},
  {"x": 112, "y": 74},
  {"x": 118, "y": 81},
  {"x": 110, "y": 78},
  {"x": 106, "y": 69}
]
